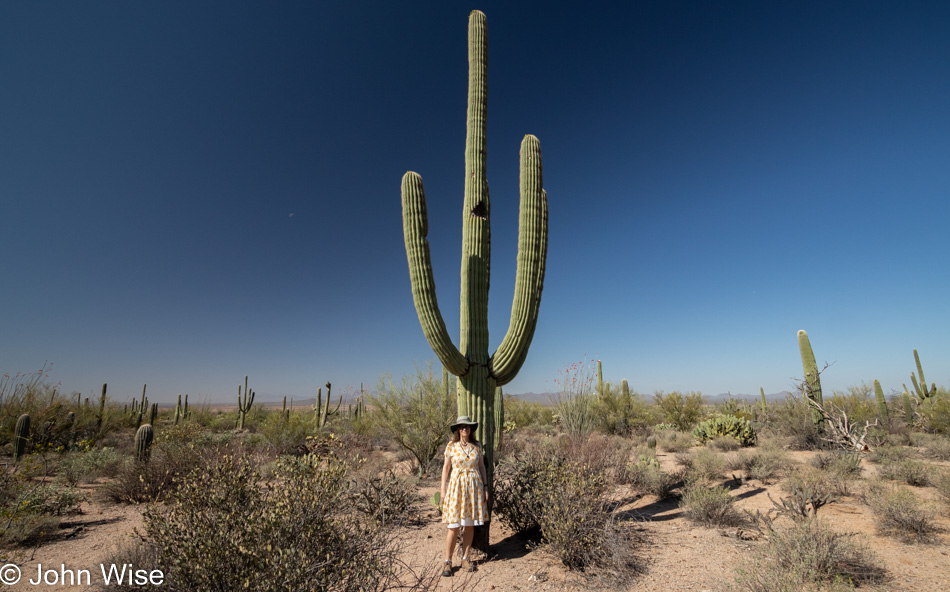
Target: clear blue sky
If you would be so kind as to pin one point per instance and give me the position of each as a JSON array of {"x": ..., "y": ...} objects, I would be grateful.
[{"x": 195, "y": 191}]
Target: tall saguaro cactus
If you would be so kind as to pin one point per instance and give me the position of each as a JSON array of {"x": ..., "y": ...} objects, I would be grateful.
[
  {"x": 244, "y": 405},
  {"x": 478, "y": 372},
  {"x": 812, "y": 379}
]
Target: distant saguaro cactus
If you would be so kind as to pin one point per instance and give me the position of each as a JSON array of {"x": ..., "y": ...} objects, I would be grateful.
[
  {"x": 322, "y": 412},
  {"x": 812, "y": 375},
  {"x": 478, "y": 373},
  {"x": 143, "y": 442},
  {"x": 21, "y": 435},
  {"x": 923, "y": 393},
  {"x": 244, "y": 404}
]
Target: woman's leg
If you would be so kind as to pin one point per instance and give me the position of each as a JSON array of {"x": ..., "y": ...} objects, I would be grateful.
[
  {"x": 450, "y": 538},
  {"x": 468, "y": 534}
]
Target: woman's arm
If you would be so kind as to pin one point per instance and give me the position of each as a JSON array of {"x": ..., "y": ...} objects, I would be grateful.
[{"x": 446, "y": 469}]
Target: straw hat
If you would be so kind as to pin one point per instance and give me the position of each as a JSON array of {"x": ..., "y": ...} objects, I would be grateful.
[{"x": 463, "y": 420}]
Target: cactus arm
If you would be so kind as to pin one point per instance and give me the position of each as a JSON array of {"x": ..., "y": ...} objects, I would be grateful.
[
  {"x": 881, "y": 401},
  {"x": 920, "y": 372},
  {"x": 529, "y": 279},
  {"x": 812, "y": 376},
  {"x": 415, "y": 229}
]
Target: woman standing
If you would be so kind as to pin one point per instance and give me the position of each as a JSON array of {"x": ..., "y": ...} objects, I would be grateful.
[{"x": 464, "y": 495}]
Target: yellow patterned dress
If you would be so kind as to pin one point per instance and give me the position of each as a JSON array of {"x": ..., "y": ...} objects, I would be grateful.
[{"x": 464, "y": 503}]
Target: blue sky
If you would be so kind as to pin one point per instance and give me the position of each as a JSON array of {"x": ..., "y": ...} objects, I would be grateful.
[{"x": 195, "y": 191}]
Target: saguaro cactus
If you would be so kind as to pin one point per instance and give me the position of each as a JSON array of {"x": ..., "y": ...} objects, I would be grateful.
[
  {"x": 923, "y": 393},
  {"x": 478, "y": 373},
  {"x": 143, "y": 442},
  {"x": 881, "y": 401},
  {"x": 812, "y": 379},
  {"x": 244, "y": 405},
  {"x": 21, "y": 435}
]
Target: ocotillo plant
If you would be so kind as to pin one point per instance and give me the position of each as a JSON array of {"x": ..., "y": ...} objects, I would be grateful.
[
  {"x": 881, "y": 401},
  {"x": 478, "y": 373},
  {"x": 244, "y": 404},
  {"x": 143, "y": 442},
  {"x": 21, "y": 435},
  {"x": 812, "y": 380},
  {"x": 923, "y": 393}
]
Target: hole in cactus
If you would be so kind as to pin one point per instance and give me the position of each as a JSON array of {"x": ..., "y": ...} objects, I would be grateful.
[{"x": 480, "y": 210}]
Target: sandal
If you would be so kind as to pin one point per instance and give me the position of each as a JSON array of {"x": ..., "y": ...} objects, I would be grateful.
[{"x": 447, "y": 572}]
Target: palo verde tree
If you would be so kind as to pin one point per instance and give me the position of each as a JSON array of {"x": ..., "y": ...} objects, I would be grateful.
[{"x": 478, "y": 373}]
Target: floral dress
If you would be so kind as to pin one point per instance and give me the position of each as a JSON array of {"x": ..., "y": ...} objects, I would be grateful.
[{"x": 464, "y": 503}]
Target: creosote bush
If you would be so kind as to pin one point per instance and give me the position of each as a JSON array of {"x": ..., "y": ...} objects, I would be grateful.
[
  {"x": 562, "y": 503},
  {"x": 709, "y": 506},
  {"x": 809, "y": 556},
  {"x": 898, "y": 512},
  {"x": 230, "y": 527}
]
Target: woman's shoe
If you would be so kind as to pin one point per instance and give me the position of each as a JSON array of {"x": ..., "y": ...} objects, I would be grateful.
[
  {"x": 447, "y": 570},
  {"x": 467, "y": 565}
]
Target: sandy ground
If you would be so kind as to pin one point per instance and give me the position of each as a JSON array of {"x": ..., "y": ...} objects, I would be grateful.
[{"x": 675, "y": 554}]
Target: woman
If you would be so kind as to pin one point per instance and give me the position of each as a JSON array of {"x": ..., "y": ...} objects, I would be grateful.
[{"x": 464, "y": 495}]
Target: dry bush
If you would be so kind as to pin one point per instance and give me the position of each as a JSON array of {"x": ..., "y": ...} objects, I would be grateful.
[
  {"x": 608, "y": 453},
  {"x": 701, "y": 464},
  {"x": 228, "y": 524},
  {"x": 942, "y": 484},
  {"x": 891, "y": 454},
  {"x": 935, "y": 446},
  {"x": 385, "y": 496},
  {"x": 710, "y": 506},
  {"x": 909, "y": 471},
  {"x": 898, "y": 512},
  {"x": 645, "y": 475},
  {"x": 765, "y": 464},
  {"x": 792, "y": 419},
  {"x": 809, "y": 556},
  {"x": 725, "y": 443},
  {"x": 674, "y": 441},
  {"x": 808, "y": 490}
]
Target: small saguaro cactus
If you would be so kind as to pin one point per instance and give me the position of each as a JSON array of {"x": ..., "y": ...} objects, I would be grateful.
[
  {"x": 143, "y": 442},
  {"x": 600, "y": 379},
  {"x": 923, "y": 393},
  {"x": 812, "y": 384},
  {"x": 153, "y": 414},
  {"x": 21, "y": 435},
  {"x": 478, "y": 372},
  {"x": 244, "y": 404},
  {"x": 102, "y": 409},
  {"x": 178, "y": 409},
  {"x": 908, "y": 407},
  {"x": 881, "y": 401}
]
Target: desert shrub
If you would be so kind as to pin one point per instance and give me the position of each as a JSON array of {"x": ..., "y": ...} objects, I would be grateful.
[
  {"x": 211, "y": 533},
  {"x": 31, "y": 511},
  {"x": 764, "y": 464},
  {"x": 702, "y": 464},
  {"x": 858, "y": 402},
  {"x": 725, "y": 425},
  {"x": 416, "y": 414},
  {"x": 564, "y": 504},
  {"x": 898, "y": 512},
  {"x": 809, "y": 556},
  {"x": 385, "y": 497},
  {"x": 286, "y": 435},
  {"x": 808, "y": 491},
  {"x": 524, "y": 414},
  {"x": 724, "y": 443},
  {"x": 935, "y": 446},
  {"x": 89, "y": 465},
  {"x": 709, "y": 506},
  {"x": 608, "y": 453},
  {"x": 575, "y": 413},
  {"x": 941, "y": 483},
  {"x": 840, "y": 462},
  {"x": 683, "y": 411},
  {"x": 891, "y": 454},
  {"x": 646, "y": 475},
  {"x": 909, "y": 471},
  {"x": 792, "y": 419},
  {"x": 621, "y": 412},
  {"x": 673, "y": 441},
  {"x": 935, "y": 412}
]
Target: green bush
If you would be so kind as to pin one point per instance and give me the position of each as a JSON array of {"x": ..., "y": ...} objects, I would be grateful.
[
  {"x": 683, "y": 411},
  {"x": 709, "y": 506},
  {"x": 646, "y": 475},
  {"x": 523, "y": 414},
  {"x": 229, "y": 526},
  {"x": 792, "y": 418},
  {"x": 30, "y": 512},
  {"x": 702, "y": 464},
  {"x": 725, "y": 425},
  {"x": 764, "y": 464},
  {"x": 909, "y": 471},
  {"x": 89, "y": 465},
  {"x": 674, "y": 441},
  {"x": 416, "y": 414}
]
